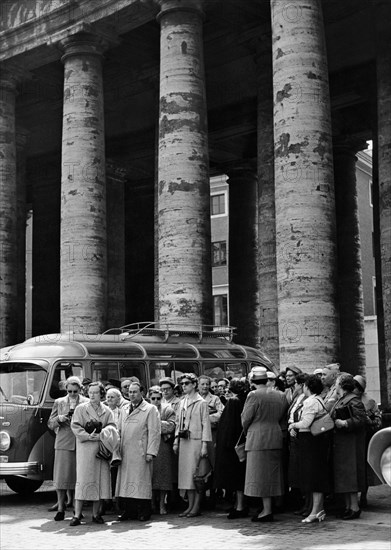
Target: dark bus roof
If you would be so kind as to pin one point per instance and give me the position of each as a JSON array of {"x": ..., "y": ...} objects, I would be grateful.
[{"x": 140, "y": 341}]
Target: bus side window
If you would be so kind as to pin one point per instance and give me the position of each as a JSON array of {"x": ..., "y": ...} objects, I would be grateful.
[
  {"x": 181, "y": 367},
  {"x": 62, "y": 371},
  {"x": 127, "y": 369}
]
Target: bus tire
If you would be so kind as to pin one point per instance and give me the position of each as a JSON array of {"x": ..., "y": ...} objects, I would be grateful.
[{"x": 23, "y": 485}]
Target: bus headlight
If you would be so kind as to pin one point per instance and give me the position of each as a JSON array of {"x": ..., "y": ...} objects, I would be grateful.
[{"x": 5, "y": 441}]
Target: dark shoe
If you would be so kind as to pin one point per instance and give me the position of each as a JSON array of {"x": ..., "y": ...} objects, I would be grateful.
[
  {"x": 98, "y": 519},
  {"x": 74, "y": 521},
  {"x": 59, "y": 516},
  {"x": 193, "y": 514},
  {"x": 234, "y": 514},
  {"x": 123, "y": 517},
  {"x": 263, "y": 519},
  {"x": 341, "y": 513},
  {"x": 143, "y": 517},
  {"x": 53, "y": 508},
  {"x": 352, "y": 514}
]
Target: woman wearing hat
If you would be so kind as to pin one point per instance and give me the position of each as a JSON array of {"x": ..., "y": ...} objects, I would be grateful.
[
  {"x": 349, "y": 445},
  {"x": 261, "y": 416},
  {"x": 373, "y": 424}
]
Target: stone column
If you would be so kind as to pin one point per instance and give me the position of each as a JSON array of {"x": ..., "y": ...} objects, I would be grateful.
[
  {"x": 83, "y": 187},
  {"x": 185, "y": 275},
  {"x": 304, "y": 187},
  {"x": 350, "y": 286},
  {"x": 267, "y": 268},
  {"x": 116, "y": 300},
  {"x": 383, "y": 68},
  {"x": 243, "y": 250},
  {"x": 8, "y": 210},
  {"x": 21, "y": 220}
]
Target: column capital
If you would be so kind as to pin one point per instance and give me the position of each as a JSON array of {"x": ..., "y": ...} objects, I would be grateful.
[
  {"x": 171, "y": 6},
  {"x": 83, "y": 38},
  {"x": 348, "y": 145}
]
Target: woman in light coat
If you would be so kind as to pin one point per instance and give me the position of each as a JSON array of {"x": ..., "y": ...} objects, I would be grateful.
[
  {"x": 92, "y": 473},
  {"x": 192, "y": 434}
]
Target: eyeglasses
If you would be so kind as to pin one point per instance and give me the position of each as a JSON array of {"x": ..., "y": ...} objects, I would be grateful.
[
  {"x": 186, "y": 383},
  {"x": 125, "y": 387},
  {"x": 73, "y": 391},
  {"x": 155, "y": 398}
]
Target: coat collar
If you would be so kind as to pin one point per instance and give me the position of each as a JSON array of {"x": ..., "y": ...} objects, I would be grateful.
[{"x": 96, "y": 414}]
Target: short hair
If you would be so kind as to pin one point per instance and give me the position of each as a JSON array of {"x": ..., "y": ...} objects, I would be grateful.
[
  {"x": 115, "y": 391},
  {"x": 204, "y": 377},
  {"x": 237, "y": 386},
  {"x": 314, "y": 384},
  {"x": 223, "y": 380},
  {"x": 261, "y": 382},
  {"x": 101, "y": 387},
  {"x": 135, "y": 384},
  {"x": 74, "y": 380},
  {"x": 190, "y": 376},
  {"x": 155, "y": 389},
  {"x": 346, "y": 382},
  {"x": 301, "y": 378}
]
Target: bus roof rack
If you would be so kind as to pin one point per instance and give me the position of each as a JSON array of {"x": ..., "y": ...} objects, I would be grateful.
[{"x": 165, "y": 330}]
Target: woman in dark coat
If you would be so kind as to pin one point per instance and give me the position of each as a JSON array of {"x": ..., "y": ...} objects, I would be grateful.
[
  {"x": 349, "y": 445},
  {"x": 229, "y": 472}
]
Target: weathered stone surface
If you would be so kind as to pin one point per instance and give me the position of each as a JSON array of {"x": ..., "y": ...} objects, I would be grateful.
[
  {"x": 8, "y": 211},
  {"x": 350, "y": 287},
  {"x": 184, "y": 266},
  {"x": 304, "y": 192},
  {"x": 83, "y": 188}
]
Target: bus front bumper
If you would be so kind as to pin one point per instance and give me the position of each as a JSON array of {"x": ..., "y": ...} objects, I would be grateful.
[{"x": 19, "y": 468}]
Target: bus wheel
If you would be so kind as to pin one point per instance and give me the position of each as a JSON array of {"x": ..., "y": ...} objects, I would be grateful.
[{"x": 23, "y": 485}]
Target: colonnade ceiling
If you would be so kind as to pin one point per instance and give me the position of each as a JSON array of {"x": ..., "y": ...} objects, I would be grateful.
[{"x": 235, "y": 32}]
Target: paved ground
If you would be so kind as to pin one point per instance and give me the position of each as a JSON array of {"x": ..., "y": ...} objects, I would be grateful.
[{"x": 26, "y": 524}]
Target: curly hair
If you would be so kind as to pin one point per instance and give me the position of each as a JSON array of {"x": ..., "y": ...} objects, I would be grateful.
[
  {"x": 314, "y": 384},
  {"x": 237, "y": 386},
  {"x": 100, "y": 386},
  {"x": 346, "y": 382},
  {"x": 189, "y": 376},
  {"x": 155, "y": 389}
]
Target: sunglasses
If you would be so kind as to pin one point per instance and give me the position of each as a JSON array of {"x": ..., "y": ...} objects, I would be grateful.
[
  {"x": 124, "y": 387},
  {"x": 155, "y": 398},
  {"x": 73, "y": 391},
  {"x": 186, "y": 383}
]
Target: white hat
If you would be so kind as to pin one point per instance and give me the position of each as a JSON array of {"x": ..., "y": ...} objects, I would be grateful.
[
  {"x": 270, "y": 375},
  {"x": 318, "y": 371},
  {"x": 258, "y": 373}
]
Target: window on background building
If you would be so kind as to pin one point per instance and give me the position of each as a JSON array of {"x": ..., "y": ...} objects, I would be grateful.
[
  {"x": 219, "y": 253},
  {"x": 220, "y": 310},
  {"x": 217, "y": 204}
]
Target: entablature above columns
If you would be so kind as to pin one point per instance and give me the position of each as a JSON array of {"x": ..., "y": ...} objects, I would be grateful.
[{"x": 28, "y": 32}]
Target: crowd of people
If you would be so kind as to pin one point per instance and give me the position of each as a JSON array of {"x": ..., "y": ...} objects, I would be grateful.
[{"x": 143, "y": 451}]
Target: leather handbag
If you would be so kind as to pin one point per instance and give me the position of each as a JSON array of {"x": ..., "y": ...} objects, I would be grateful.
[
  {"x": 200, "y": 481},
  {"x": 322, "y": 424},
  {"x": 240, "y": 449}
]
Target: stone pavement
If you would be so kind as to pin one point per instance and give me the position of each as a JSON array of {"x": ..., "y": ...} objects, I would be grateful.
[{"x": 26, "y": 524}]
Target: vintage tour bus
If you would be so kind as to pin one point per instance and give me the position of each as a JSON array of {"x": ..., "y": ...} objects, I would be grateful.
[{"x": 32, "y": 375}]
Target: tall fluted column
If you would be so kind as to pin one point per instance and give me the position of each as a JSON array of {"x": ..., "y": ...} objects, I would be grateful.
[
  {"x": 243, "y": 251},
  {"x": 267, "y": 268},
  {"x": 8, "y": 211},
  {"x": 383, "y": 68},
  {"x": 304, "y": 188},
  {"x": 83, "y": 191},
  {"x": 185, "y": 286},
  {"x": 350, "y": 286}
]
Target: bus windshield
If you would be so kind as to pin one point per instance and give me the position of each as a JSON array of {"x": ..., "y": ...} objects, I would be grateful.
[{"x": 21, "y": 383}]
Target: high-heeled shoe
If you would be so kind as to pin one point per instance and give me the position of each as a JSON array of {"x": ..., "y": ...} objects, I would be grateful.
[
  {"x": 352, "y": 514},
  {"x": 320, "y": 516}
]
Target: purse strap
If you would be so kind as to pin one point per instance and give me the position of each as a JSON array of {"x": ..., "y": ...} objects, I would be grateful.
[
  {"x": 240, "y": 437},
  {"x": 199, "y": 462}
]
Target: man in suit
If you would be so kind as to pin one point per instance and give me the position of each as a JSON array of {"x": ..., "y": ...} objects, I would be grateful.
[
  {"x": 64, "y": 472},
  {"x": 261, "y": 417}
]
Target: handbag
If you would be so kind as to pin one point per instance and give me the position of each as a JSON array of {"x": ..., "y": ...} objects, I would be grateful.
[
  {"x": 322, "y": 424},
  {"x": 103, "y": 452},
  {"x": 200, "y": 481},
  {"x": 92, "y": 425},
  {"x": 240, "y": 449}
]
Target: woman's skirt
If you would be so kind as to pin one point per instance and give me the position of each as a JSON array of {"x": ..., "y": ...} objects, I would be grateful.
[
  {"x": 264, "y": 474},
  {"x": 64, "y": 472},
  {"x": 294, "y": 467},
  {"x": 162, "y": 468},
  {"x": 314, "y": 462},
  {"x": 189, "y": 455}
]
